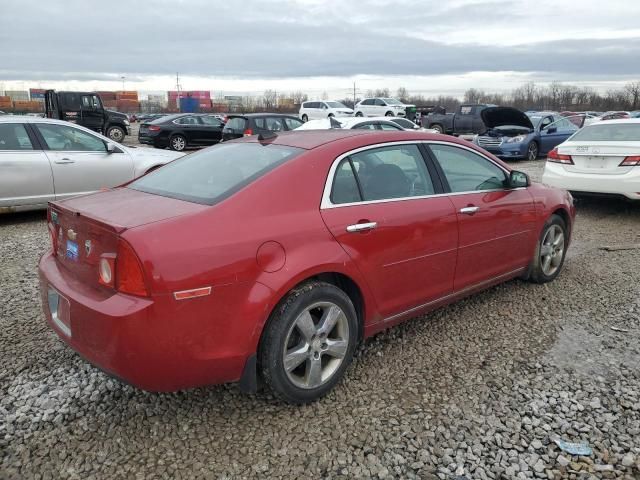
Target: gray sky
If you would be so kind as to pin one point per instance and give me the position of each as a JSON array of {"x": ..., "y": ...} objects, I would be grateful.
[{"x": 428, "y": 46}]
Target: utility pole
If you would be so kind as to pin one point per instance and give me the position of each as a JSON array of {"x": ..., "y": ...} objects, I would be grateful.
[
  {"x": 122, "y": 77},
  {"x": 355, "y": 92}
]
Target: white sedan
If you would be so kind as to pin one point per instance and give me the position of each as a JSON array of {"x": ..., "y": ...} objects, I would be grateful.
[
  {"x": 602, "y": 158},
  {"x": 370, "y": 123},
  {"x": 43, "y": 159}
]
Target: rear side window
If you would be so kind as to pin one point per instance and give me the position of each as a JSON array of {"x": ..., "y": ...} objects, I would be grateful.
[
  {"x": 209, "y": 176},
  {"x": 397, "y": 171},
  {"x": 292, "y": 123},
  {"x": 13, "y": 136},
  {"x": 609, "y": 133},
  {"x": 236, "y": 123},
  {"x": 466, "y": 171}
]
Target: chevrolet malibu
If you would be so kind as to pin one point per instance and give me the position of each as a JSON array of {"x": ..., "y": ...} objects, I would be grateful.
[{"x": 265, "y": 260}]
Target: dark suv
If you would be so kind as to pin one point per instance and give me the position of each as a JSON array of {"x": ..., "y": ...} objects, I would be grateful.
[{"x": 239, "y": 126}]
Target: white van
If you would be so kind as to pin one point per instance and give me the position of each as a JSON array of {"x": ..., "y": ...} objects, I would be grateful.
[{"x": 317, "y": 110}]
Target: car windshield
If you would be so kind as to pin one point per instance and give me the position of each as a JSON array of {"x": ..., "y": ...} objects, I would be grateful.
[
  {"x": 392, "y": 101},
  {"x": 209, "y": 176},
  {"x": 336, "y": 105},
  {"x": 612, "y": 132}
]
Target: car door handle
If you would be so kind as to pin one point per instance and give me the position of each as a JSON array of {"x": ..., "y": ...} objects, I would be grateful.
[
  {"x": 361, "y": 227},
  {"x": 471, "y": 210},
  {"x": 62, "y": 161}
]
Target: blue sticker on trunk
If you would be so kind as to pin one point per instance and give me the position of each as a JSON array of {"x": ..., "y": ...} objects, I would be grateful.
[{"x": 72, "y": 250}]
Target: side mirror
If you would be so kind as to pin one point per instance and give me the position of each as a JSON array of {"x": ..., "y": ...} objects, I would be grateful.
[
  {"x": 551, "y": 130},
  {"x": 518, "y": 179},
  {"x": 112, "y": 148}
]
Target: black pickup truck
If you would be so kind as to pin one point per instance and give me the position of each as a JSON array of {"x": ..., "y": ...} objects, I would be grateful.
[
  {"x": 465, "y": 121},
  {"x": 86, "y": 109}
]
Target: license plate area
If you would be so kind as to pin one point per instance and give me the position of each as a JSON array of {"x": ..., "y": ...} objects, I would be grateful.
[
  {"x": 59, "y": 308},
  {"x": 595, "y": 162}
]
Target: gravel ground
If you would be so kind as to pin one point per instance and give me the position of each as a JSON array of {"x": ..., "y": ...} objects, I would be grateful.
[{"x": 476, "y": 390}]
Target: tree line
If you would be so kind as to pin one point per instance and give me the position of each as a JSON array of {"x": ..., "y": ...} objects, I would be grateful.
[{"x": 555, "y": 96}]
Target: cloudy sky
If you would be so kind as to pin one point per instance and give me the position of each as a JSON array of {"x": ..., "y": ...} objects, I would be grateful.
[{"x": 427, "y": 46}]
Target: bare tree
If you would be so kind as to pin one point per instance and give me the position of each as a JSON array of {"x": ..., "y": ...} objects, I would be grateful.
[
  {"x": 402, "y": 94},
  {"x": 270, "y": 99},
  {"x": 382, "y": 92},
  {"x": 325, "y": 95},
  {"x": 633, "y": 92}
]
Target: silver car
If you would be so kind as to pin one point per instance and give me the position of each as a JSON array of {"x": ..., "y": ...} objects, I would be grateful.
[{"x": 43, "y": 159}]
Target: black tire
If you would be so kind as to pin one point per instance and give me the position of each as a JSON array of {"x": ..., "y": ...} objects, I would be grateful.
[
  {"x": 116, "y": 133},
  {"x": 388, "y": 114},
  {"x": 359, "y": 114},
  {"x": 438, "y": 127},
  {"x": 305, "y": 119},
  {"x": 537, "y": 272},
  {"x": 532, "y": 151},
  {"x": 177, "y": 143},
  {"x": 331, "y": 115},
  {"x": 277, "y": 336}
]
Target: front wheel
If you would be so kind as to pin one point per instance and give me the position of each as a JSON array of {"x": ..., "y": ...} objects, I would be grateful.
[
  {"x": 116, "y": 133},
  {"x": 178, "y": 143},
  {"x": 388, "y": 114},
  {"x": 308, "y": 343},
  {"x": 305, "y": 119},
  {"x": 550, "y": 251},
  {"x": 358, "y": 114},
  {"x": 532, "y": 151}
]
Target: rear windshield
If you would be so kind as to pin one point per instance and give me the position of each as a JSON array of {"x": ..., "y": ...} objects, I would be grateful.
[
  {"x": 613, "y": 132},
  {"x": 209, "y": 176}
]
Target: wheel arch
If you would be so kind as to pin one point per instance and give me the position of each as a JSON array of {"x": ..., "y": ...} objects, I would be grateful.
[{"x": 564, "y": 215}]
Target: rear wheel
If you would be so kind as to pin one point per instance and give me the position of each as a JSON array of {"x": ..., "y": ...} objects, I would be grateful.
[
  {"x": 532, "y": 151},
  {"x": 437, "y": 127},
  {"x": 178, "y": 143},
  {"x": 388, "y": 114},
  {"x": 116, "y": 133},
  {"x": 550, "y": 252},
  {"x": 358, "y": 114},
  {"x": 308, "y": 342},
  {"x": 305, "y": 119}
]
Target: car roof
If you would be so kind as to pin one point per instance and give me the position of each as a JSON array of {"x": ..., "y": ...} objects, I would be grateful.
[
  {"x": 615, "y": 121},
  {"x": 33, "y": 119},
  {"x": 257, "y": 115},
  {"x": 310, "y": 139}
]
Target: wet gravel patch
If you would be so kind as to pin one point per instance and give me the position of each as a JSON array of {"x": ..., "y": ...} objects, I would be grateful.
[{"x": 479, "y": 389}]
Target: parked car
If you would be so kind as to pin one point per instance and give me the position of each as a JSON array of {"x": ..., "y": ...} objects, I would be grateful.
[
  {"x": 512, "y": 134},
  {"x": 43, "y": 160},
  {"x": 382, "y": 107},
  {"x": 358, "y": 123},
  {"x": 181, "y": 131},
  {"x": 272, "y": 257},
  {"x": 466, "y": 120},
  {"x": 600, "y": 159},
  {"x": 86, "y": 109},
  {"x": 316, "y": 110},
  {"x": 239, "y": 126}
]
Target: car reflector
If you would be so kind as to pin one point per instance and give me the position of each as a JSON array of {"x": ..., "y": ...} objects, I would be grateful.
[{"x": 193, "y": 293}]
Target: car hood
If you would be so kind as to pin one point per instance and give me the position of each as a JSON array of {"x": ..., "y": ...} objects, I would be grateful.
[
  {"x": 114, "y": 114},
  {"x": 498, "y": 116}
]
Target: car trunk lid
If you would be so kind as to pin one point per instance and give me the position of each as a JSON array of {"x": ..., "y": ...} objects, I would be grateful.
[{"x": 597, "y": 158}]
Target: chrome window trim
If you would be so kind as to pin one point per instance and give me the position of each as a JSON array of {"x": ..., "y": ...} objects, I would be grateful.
[{"x": 326, "y": 202}]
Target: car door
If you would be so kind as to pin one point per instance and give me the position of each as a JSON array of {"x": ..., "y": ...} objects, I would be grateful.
[
  {"x": 25, "y": 173},
  {"x": 379, "y": 108},
  {"x": 464, "y": 119},
  {"x": 547, "y": 137},
  {"x": 496, "y": 224},
  {"x": 556, "y": 133},
  {"x": 381, "y": 205},
  {"x": 91, "y": 112},
  {"x": 190, "y": 127},
  {"x": 211, "y": 132},
  {"x": 80, "y": 161}
]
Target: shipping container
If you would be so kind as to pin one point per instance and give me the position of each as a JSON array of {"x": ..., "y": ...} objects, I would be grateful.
[
  {"x": 189, "y": 105},
  {"x": 17, "y": 95},
  {"x": 106, "y": 96}
]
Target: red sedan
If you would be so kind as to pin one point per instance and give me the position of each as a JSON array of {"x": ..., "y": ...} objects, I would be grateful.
[{"x": 269, "y": 259}]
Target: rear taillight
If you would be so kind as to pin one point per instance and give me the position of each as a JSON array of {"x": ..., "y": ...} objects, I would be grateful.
[
  {"x": 248, "y": 132},
  {"x": 555, "y": 157},
  {"x": 107, "y": 269},
  {"x": 129, "y": 276},
  {"x": 631, "y": 161},
  {"x": 154, "y": 128}
]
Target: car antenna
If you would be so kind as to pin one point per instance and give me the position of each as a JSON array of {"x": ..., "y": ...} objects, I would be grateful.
[
  {"x": 334, "y": 123},
  {"x": 267, "y": 136}
]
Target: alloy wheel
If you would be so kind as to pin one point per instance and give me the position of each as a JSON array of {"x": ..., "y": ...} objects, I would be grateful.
[
  {"x": 552, "y": 250},
  {"x": 316, "y": 345},
  {"x": 178, "y": 143},
  {"x": 532, "y": 151}
]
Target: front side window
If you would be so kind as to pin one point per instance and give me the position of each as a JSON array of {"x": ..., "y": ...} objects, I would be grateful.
[
  {"x": 364, "y": 126},
  {"x": 65, "y": 138},
  {"x": 466, "y": 171},
  {"x": 292, "y": 123},
  {"x": 336, "y": 105},
  {"x": 209, "y": 176},
  {"x": 186, "y": 121},
  {"x": 274, "y": 124},
  {"x": 345, "y": 187},
  {"x": 13, "y": 136},
  {"x": 396, "y": 171}
]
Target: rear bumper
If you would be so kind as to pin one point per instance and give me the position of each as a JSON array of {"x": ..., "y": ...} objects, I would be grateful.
[
  {"x": 626, "y": 185},
  {"x": 155, "y": 141},
  {"x": 142, "y": 341}
]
